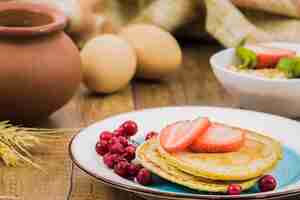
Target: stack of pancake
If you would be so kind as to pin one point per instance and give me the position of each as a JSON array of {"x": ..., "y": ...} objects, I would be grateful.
[{"x": 213, "y": 172}]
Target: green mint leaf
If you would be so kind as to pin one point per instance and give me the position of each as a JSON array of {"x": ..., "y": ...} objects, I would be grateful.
[
  {"x": 296, "y": 70},
  {"x": 290, "y": 66},
  {"x": 247, "y": 57}
]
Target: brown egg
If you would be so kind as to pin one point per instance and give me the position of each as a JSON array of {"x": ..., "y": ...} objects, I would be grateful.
[
  {"x": 158, "y": 53},
  {"x": 109, "y": 63}
]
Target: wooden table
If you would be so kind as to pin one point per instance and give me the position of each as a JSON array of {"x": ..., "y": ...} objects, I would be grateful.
[{"x": 194, "y": 85}]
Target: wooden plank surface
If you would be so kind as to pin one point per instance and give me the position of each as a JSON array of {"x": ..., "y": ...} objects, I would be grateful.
[
  {"x": 195, "y": 84},
  {"x": 95, "y": 108}
]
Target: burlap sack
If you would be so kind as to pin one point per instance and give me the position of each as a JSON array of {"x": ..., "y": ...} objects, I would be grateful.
[
  {"x": 225, "y": 20},
  {"x": 230, "y": 25}
]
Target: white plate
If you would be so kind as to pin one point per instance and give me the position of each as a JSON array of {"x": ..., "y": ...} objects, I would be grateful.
[{"x": 84, "y": 156}]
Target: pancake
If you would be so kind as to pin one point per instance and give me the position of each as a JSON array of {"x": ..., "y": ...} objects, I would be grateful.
[
  {"x": 149, "y": 157},
  {"x": 258, "y": 156}
]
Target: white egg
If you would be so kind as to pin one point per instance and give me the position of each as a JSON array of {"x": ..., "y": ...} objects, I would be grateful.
[
  {"x": 109, "y": 63},
  {"x": 158, "y": 53}
]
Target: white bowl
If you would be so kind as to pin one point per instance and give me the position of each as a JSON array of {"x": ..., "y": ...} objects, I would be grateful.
[{"x": 276, "y": 96}]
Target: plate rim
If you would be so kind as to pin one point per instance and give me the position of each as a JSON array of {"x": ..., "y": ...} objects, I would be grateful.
[{"x": 174, "y": 195}]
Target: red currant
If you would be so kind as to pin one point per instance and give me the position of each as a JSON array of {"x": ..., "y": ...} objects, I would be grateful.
[
  {"x": 104, "y": 143},
  {"x": 112, "y": 141},
  {"x": 101, "y": 149},
  {"x": 151, "y": 135},
  {"x": 129, "y": 153},
  {"x": 105, "y": 135},
  {"x": 130, "y": 128},
  {"x": 120, "y": 159},
  {"x": 123, "y": 140},
  {"x": 234, "y": 189},
  {"x": 110, "y": 160},
  {"x": 267, "y": 183},
  {"x": 120, "y": 132},
  {"x": 117, "y": 148},
  {"x": 144, "y": 177},
  {"x": 133, "y": 170},
  {"x": 121, "y": 168}
]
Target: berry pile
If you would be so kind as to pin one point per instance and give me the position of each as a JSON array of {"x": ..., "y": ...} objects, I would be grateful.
[
  {"x": 118, "y": 152},
  {"x": 265, "y": 184}
]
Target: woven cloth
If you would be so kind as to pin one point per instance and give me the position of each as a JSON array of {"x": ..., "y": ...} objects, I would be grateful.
[{"x": 228, "y": 21}]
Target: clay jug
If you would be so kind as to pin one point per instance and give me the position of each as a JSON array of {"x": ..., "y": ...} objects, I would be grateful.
[{"x": 40, "y": 66}]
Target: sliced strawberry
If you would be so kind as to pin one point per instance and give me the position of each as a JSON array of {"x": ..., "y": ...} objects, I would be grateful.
[
  {"x": 178, "y": 136},
  {"x": 219, "y": 139},
  {"x": 268, "y": 57}
]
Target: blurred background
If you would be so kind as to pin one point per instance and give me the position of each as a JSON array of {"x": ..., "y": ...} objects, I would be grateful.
[{"x": 226, "y": 21}]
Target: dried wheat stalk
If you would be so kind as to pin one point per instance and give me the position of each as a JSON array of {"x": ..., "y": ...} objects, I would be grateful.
[{"x": 16, "y": 142}]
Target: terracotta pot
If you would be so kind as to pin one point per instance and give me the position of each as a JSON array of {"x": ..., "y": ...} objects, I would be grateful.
[{"x": 39, "y": 64}]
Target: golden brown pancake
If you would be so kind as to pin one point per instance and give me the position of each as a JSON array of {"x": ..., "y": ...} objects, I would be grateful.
[{"x": 149, "y": 157}]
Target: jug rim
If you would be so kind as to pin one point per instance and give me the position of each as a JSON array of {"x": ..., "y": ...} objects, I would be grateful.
[{"x": 54, "y": 20}]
